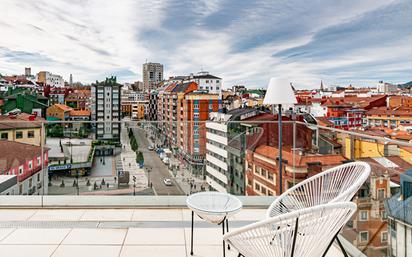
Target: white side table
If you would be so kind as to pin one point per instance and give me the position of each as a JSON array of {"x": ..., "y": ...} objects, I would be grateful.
[{"x": 215, "y": 208}]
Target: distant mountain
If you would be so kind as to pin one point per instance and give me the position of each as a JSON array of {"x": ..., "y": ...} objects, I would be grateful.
[{"x": 407, "y": 85}]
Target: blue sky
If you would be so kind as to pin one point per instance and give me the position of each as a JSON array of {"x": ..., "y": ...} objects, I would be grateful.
[{"x": 245, "y": 42}]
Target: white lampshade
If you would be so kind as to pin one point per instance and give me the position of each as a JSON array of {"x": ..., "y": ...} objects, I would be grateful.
[{"x": 279, "y": 91}]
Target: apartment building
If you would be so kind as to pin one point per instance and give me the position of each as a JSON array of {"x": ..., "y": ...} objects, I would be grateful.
[
  {"x": 262, "y": 168},
  {"x": 107, "y": 108},
  {"x": 396, "y": 101},
  {"x": 206, "y": 81},
  {"x": 385, "y": 117},
  {"x": 371, "y": 219},
  {"x": 225, "y": 146},
  {"x": 194, "y": 112},
  {"x": 79, "y": 99},
  {"x": 22, "y": 128},
  {"x": 152, "y": 76},
  {"x": 26, "y": 162},
  {"x": 57, "y": 95},
  {"x": 153, "y": 104},
  {"x": 171, "y": 113},
  {"x": 399, "y": 211},
  {"x": 47, "y": 78},
  {"x": 58, "y": 112}
]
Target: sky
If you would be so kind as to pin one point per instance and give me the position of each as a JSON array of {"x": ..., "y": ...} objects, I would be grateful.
[{"x": 244, "y": 42}]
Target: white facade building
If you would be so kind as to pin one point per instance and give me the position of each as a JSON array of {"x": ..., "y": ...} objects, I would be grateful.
[
  {"x": 223, "y": 148},
  {"x": 318, "y": 110},
  {"x": 386, "y": 88},
  {"x": 50, "y": 79},
  {"x": 216, "y": 153},
  {"x": 207, "y": 81},
  {"x": 8, "y": 185}
]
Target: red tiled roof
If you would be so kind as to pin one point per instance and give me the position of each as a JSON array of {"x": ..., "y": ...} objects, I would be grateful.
[
  {"x": 300, "y": 160},
  {"x": 323, "y": 121},
  {"x": 22, "y": 120},
  {"x": 63, "y": 107},
  {"x": 405, "y": 111},
  {"x": 17, "y": 154},
  {"x": 79, "y": 113}
]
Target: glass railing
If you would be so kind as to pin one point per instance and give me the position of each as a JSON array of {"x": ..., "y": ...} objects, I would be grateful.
[{"x": 153, "y": 158}]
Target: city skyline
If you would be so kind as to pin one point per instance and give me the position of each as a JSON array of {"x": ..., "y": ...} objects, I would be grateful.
[{"x": 339, "y": 42}]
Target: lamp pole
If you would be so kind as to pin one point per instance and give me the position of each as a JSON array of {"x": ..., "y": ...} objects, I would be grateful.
[
  {"x": 134, "y": 185},
  {"x": 280, "y": 147},
  {"x": 279, "y": 92}
]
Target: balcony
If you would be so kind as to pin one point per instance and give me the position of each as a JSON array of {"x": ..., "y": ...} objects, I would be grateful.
[
  {"x": 125, "y": 228},
  {"x": 124, "y": 182}
]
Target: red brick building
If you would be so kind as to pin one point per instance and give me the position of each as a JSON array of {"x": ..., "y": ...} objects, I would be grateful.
[
  {"x": 192, "y": 126},
  {"x": 262, "y": 168}
]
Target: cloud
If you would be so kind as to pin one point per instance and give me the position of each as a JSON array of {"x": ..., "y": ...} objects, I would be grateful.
[{"x": 244, "y": 42}]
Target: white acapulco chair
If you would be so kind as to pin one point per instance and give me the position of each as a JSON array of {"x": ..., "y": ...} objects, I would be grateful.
[
  {"x": 338, "y": 184},
  {"x": 306, "y": 232},
  {"x": 214, "y": 207}
]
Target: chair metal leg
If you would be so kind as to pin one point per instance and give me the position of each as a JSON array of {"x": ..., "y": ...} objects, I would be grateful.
[
  {"x": 340, "y": 245},
  {"x": 224, "y": 245},
  {"x": 227, "y": 230},
  {"x": 295, "y": 234},
  {"x": 191, "y": 239}
]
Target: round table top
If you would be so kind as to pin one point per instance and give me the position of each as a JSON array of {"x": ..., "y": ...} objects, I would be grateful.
[{"x": 213, "y": 206}]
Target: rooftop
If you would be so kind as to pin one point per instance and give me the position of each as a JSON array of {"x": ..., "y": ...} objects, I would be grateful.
[{"x": 114, "y": 232}]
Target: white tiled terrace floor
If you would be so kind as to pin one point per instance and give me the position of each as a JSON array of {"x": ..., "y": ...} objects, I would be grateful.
[{"x": 113, "y": 233}]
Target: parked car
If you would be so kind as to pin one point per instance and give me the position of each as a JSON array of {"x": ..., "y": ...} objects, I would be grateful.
[
  {"x": 167, "y": 181},
  {"x": 151, "y": 148}
]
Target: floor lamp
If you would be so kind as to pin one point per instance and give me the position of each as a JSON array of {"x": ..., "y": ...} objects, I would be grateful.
[{"x": 279, "y": 91}]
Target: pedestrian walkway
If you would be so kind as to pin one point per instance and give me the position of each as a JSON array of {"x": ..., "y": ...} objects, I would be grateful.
[{"x": 128, "y": 157}]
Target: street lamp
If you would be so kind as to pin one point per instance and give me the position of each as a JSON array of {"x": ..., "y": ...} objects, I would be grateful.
[
  {"x": 279, "y": 92},
  {"x": 148, "y": 169}
]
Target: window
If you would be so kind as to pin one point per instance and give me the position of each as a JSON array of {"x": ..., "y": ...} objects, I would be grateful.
[
  {"x": 364, "y": 236},
  {"x": 263, "y": 191},
  {"x": 270, "y": 176},
  {"x": 4, "y": 135},
  {"x": 20, "y": 170},
  {"x": 38, "y": 161},
  {"x": 263, "y": 173},
  {"x": 19, "y": 134},
  {"x": 384, "y": 215},
  {"x": 384, "y": 237},
  {"x": 30, "y": 134},
  {"x": 392, "y": 224},
  {"x": 381, "y": 194},
  {"x": 30, "y": 165},
  {"x": 257, "y": 187},
  {"x": 20, "y": 189},
  {"x": 363, "y": 215}
]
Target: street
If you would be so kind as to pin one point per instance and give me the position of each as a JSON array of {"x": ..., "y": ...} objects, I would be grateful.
[{"x": 159, "y": 170}]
